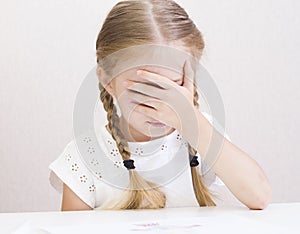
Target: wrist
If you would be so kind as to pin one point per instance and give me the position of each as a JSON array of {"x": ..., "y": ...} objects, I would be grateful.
[
  {"x": 190, "y": 127},
  {"x": 198, "y": 132}
]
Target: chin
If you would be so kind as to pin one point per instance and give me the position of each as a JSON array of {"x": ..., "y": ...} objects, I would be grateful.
[{"x": 157, "y": 131}]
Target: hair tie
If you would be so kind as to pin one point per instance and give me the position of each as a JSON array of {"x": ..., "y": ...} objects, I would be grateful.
[
  {"x": 129, "y": 164},
  {"x": 194, "y": 162}
]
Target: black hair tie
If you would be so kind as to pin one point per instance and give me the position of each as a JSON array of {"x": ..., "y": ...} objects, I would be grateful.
[
  {"x": 194, "y": 162},
  {"x": 129, "y": 164}
]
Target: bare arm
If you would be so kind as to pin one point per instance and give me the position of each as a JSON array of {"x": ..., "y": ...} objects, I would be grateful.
[
  {"x": 71, "y": 202},
  {"x": 239, "y": 172}
]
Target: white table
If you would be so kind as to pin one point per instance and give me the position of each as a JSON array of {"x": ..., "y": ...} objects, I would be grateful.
[{"x": 276, "y": 218}]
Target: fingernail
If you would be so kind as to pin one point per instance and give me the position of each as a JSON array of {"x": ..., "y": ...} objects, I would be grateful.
[
  {"x": 139, "y": 72},
  {"x": 125, "y": 83}
]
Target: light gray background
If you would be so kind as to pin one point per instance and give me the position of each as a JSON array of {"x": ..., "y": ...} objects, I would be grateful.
[{"x": 47, "y": 48}]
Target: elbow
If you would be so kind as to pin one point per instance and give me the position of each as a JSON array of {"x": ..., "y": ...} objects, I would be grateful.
[
  {"x": 262, "y": 200},
  {"x": 260, "y": 203}
]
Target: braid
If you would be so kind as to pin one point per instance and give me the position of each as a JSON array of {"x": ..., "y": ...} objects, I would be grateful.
[
  {"x": 139, "y": 193},
  {"x": 113, "y": 124},
  {"x": 196, "y": 97},
  {"x": 202, "y": 193}
]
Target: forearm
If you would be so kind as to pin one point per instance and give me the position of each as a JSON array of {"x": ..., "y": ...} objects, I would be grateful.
[{"x": 240, "y": 173}]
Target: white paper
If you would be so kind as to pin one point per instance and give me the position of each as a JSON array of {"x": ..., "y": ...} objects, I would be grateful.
[{"x": 217, "y": 224}]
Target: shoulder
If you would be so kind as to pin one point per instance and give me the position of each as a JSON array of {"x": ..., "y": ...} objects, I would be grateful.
[
  {"x": 69, "y": 168},
  {"x": 69, "y": 156},
  {"x": 213, "y": 121}
]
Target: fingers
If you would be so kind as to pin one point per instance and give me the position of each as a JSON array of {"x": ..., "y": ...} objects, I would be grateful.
[
  {"x": 146, "y": 89},
  {"x": 144, "y": 100},
  {"x": 157, "y": 79},
  {"x": 150, "y": 112}
]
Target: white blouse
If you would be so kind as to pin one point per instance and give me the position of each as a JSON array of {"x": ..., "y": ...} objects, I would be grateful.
[{"x": 97, "y": 177}]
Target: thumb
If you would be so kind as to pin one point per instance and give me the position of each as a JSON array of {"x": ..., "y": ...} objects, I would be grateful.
[{"x": 188, "y": 76}]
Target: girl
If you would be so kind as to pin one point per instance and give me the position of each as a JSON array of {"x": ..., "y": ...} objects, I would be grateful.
[{"x": 137, "y": 126}]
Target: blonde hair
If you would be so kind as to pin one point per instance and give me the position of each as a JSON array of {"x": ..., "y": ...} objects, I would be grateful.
[{"x": 132, "y": 23}]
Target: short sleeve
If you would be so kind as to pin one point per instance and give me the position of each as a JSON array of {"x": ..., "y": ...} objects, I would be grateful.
[
  {"x": 212, "y": 120},
  {"x": 69, "y": 168},
  {"x": 210, "y": 177}
]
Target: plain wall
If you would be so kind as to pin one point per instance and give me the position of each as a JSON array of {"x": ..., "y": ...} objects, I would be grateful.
[{"x": 48, "y": 47}]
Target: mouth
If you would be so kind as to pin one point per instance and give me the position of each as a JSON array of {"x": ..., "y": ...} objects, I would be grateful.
[{"x": 156, "y": 124}]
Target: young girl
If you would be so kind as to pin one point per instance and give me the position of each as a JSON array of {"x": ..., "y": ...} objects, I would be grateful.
[{"x": 149, "y": 134}]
